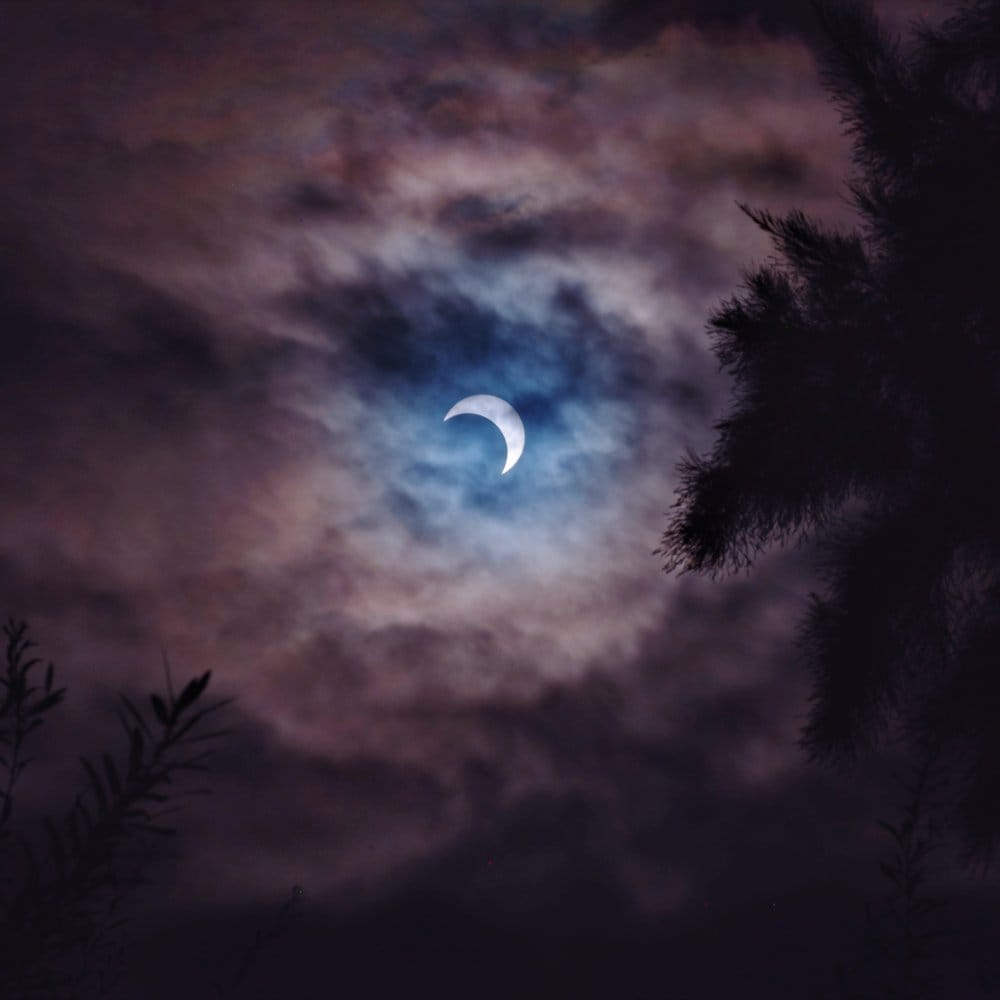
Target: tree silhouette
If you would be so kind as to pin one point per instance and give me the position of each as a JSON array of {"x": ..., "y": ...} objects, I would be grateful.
[
  {"x": 865, "y": 409},
  {"x": 59, "y": 915}
]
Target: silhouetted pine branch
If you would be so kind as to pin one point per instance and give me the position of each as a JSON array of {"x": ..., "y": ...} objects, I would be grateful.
[
  {"x": 894, "y": 961},
  {"x": 865, "y": 409},
  {"x": 915, "y": 838}
]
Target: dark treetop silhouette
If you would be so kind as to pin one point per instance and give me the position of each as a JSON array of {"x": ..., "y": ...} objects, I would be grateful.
[{"x": 865, "y": 408}]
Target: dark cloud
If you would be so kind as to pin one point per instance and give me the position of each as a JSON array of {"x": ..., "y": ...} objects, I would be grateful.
[
  {"x": 149, "y": 337},
  {"x": 503, "y": 230},
  {"x": 421, "y": 96},
  {"x": 472, "y": 209},
  {"x": 514, "y": 32},
  {"x": 381, "y": 950},
  {"x": 308, "y": 200},
  {"x": 775, "y": 169},
  {"x": 402, "y": 329},
  {"x": 51, "y": 586},
  {"x": 450, "y": 107},
  {"x": 624, "y": 24},
  {"x": 531, "y": 892}
]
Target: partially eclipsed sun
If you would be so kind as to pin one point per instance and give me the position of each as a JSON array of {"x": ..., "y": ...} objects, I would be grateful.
[{"x": 499, "y": 412}]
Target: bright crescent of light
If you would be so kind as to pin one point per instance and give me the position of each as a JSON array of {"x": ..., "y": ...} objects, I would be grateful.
[{"x": 501, "y": 413}]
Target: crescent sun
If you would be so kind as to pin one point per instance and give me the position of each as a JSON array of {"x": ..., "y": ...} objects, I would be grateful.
[{"x": 499, "y": 412}]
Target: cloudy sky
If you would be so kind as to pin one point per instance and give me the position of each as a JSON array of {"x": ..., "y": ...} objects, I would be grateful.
[{"x": 253, "y": 252}]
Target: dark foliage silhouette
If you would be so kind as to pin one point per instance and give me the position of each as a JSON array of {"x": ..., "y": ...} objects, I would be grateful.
[
  {"x": 903, "y": 935},
  {"x": 266, "y": 935},
  {"x": 866, "y": 371},
  {"x": 60, "y": 913},
  {"x": 20, "y": 713}
]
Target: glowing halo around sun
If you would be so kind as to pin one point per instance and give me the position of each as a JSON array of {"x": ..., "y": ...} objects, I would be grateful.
[{"x": 499, "y": 412}]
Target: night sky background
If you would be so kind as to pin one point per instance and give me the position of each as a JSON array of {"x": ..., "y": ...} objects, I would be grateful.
[{"x": 252, "y": 253}]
